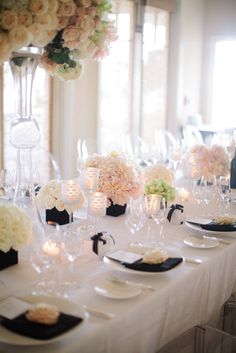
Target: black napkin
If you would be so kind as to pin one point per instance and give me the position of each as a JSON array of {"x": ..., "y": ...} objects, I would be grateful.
[
  {"x": 167, "y": 265},
  {"x": 219, "y": 227},
  {"x": 40, "y": 331}
]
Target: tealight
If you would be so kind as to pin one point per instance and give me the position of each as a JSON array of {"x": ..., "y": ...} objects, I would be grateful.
[
  {"x": 70, "y": 191},
  {"x": 97, "y": 204},
  {"x": 183, "y": 194},
  {"x": 51, "y": 248}
]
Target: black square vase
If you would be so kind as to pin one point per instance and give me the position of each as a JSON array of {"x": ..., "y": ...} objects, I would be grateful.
[
  {"x": 8, "y": 259},
  {"x": 58, "y": 217},
  {"x": 115, "y": 210}
]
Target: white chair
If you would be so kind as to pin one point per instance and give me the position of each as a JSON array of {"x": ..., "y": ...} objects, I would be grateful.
[
  {"x": 165, "y": 142},
  {"x": 192, "y": 136}
]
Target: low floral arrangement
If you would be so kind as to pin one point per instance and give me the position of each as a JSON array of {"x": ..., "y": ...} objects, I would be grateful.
[
  {"x": 49, "y": 196},
  {"x": 158, "y": 171},
  {"x": 155, "y": 256},
  {"x": 69, "y": 31},
  {"x": 160, "y": 187},
  {"x": 206, "y": 161},
  {"x": 119, "y": 178},
  {"x": 15, "y": 227}
]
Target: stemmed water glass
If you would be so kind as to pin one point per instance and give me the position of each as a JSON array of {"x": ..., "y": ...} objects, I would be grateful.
[
  {"x": 70, "y": 193},
  {"x": 89, "y": 182},
  {"x": 97, "y": 207},
  {"x": 135, "y": 217},
  {"x": 224, "y": 191},
  {"x": 156, "y": 211}
]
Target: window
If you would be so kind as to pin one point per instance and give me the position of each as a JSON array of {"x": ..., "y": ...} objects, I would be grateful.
[{"x": 133, "y": 78}]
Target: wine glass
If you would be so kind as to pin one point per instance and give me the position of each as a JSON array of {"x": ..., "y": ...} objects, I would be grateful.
[
  {"x": 89, "y": 182},
  {"x": 70, "y": 193},
  {"x": 156, "y": 211},
  {"x": 224, "y": 191},
  {"x": 135, "y": 217},
  {"x": 97, "y": 207}
]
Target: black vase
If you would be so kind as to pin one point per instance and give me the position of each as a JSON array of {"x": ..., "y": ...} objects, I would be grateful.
[
  {"x": 115, "y": 210},
  {"x": 8, "y": 259},
  {"x": 58, "y": 217}
]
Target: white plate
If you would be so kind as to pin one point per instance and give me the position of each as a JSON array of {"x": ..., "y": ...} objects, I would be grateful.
[
  {"x": 119, "y": 267},
  {"x": 200, "y": 229},
  {"x": 64, "y": 305},
  {"x": 201, "y": 243},
  {"x": 115, "y": 290}
]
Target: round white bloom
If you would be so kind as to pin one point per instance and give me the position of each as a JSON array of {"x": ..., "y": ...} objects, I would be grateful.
[
  {"x": 158, "y": 171},
  {"x": 8, "y": 19},
  {"x": 38, "y": 7},
  {"x": 15, "y": 227},
  {"x": 20, "y": 37},
  {"x": 155, "y": 256}
]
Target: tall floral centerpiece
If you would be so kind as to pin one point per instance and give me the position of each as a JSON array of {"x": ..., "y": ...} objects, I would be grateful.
[
  {"x": 59, "y": 35},
  {"x": 119, "y": 179}
]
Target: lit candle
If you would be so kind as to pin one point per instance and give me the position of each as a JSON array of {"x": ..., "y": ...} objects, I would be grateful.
[
  {"x": 152, "y": 204},
  {"x": 97, "y": 204},
  {"x": 183, "y": 194},
  {"x": 70, "y": 191},
  {"x": 51, "y": 248},
  {"x": 90, "y": 178}
]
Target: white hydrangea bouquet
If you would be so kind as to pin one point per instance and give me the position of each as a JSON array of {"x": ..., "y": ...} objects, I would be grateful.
[
  {"x": 119, "y": 177},
  {"x": 159, "y": 180},
  {"x": 206, "y": 161},
  {"x": 68, "y": 31},
  {"x": 15, "y": 227},
  {"x": 49, "y": 196}
]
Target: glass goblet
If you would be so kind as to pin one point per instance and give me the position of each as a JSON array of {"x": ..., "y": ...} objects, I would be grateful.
[
  {"x": 97, "y": 207},
  {"x": 135, "y": 218},
  {"x": 89, "y": 182},
  {"x": 156, "y": 211},
  {"x": 223, "y": 187},
  {"x": 70, "y": 193}
]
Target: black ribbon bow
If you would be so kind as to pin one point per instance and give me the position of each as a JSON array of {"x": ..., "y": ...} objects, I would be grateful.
[
  {"x": 173, "y": 208},
  {"x": 96, "y": 238}
]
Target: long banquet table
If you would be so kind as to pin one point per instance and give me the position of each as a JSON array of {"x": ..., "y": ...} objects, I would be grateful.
[{"x": 186, "y": 296}]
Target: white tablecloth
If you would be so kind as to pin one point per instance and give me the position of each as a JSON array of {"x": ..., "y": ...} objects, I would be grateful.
[{"x": 188, "y": 295}]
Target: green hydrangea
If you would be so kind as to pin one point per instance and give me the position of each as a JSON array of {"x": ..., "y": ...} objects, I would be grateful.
[{"x": 160, "y": 187}]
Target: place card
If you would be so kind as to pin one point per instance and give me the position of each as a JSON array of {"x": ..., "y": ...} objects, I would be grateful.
[
  {"x": 124, "y": 256},
  {"x": 12, "y": 307}
]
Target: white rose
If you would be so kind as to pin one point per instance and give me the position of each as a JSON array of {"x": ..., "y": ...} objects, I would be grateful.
[
  {"x": 8, "y": 19},
  {"x": 66, "y": 8},
  {"x": 38, "y": 7},
  {"x": 155, "y": 256},
  {"x": 25, "y": 18},
  {"x": 59, "y": 205},
  {"x": 20, "y": 37},
  {"x": 70, "y": 33},
  {"x": 87, "y": 23},
  {"x": 45, "y": 38}
]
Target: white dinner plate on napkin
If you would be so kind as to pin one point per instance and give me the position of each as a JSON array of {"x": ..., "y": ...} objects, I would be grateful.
[
  {"x": 115, "y": 290},
  {"x": 117, "y": 265},
  {"x": 64, "y": 305},
  {"x": 198, "y": 228},
  {"x": 201, "y": 243}
]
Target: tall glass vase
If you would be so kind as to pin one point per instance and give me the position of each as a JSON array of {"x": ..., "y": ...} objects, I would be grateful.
[{"x": 24, "y": 130}]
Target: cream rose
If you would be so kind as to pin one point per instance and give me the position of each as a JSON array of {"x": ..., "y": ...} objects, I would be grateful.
[
  {"x": 70, "y": 33},
  {"x": 47, "y": 21},
  {"x": 87, "y": 23},
  {"x": 8, "y": 19},
  {"x": 66, "y": 8},
  {"x": 25, "y": 18},
  {"x": 62, "y": 22},
  {"x": 52, "y": 6},
  {"x": 38, "y": 7},
  {"x": 19, "y": 37}
]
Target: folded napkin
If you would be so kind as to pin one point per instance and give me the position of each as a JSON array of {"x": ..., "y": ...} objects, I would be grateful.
[
  {"x": 219, "y": 227},
  {"x": 167, "y": 265},
  {"x": 39, "y": 331}
]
